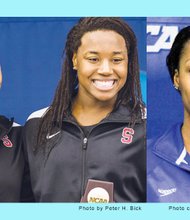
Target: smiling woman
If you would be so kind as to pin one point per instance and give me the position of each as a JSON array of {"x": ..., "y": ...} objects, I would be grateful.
[
  {"x": 94, "y": 130},
  {"x": 102, "y": 65}
]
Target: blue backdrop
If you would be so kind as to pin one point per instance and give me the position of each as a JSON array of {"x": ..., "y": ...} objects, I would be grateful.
[
  {"x": 30, "y": 57},
  {"x": 164, "y": 102}
]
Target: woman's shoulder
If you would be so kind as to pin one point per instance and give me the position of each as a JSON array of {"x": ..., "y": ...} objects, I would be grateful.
[
  {"x": 8, "y": 125},
  {"x": 164, "y": 148},
  {"x": 170, "y": 136},
  {"x": 33, "y": 121},
  {"x": 124, "y": 113},
  {"x": 38, "y": 114}
]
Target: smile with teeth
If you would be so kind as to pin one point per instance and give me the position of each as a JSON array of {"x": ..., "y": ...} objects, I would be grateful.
[{"x": 104, "y": 84}]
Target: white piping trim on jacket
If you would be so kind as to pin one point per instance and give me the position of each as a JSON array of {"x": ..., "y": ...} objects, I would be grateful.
[
  {"x": 181, "y": 157},
  {"x": 16, "y": 124},
  {"x": 38, "y": 114}
]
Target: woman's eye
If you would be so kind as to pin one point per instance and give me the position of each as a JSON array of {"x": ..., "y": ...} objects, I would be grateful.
[
  {"x": 117, "y": 60},
  {"x": 188, "y": 70},
  {"x": 93, "y": 59}
]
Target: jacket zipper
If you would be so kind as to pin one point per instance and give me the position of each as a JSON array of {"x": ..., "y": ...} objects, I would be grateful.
[{"x": 84, "y": 147}]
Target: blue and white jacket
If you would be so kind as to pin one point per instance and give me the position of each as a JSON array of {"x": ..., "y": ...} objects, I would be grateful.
[{"x": 168, "y": 168}]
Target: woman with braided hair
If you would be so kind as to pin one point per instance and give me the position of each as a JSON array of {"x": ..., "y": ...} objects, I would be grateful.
[{"x": 94, "y": 128}]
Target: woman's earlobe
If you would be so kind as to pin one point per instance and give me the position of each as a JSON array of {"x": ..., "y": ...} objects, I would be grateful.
[
  {"x": 74, "y": 59},
  {"x": 176, "y": 79}
]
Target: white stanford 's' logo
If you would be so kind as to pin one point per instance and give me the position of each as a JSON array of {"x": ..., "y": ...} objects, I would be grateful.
[
  {"x": 166, "y": 192},
  {"x": 127, "y": 135}
]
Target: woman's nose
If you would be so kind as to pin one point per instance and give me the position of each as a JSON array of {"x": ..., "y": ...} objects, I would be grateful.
[{"x": 105, "y": 67}]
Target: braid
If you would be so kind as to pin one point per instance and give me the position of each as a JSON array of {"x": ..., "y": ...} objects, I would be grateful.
[{"x": 129, "y": 95}]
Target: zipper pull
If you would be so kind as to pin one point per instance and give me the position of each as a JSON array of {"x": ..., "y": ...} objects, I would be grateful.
[{"x": 85, "y": 140}]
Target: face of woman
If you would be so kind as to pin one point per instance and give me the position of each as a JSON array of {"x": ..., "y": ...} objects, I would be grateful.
[
  {"x": 102, "y": 64},
  {"x": 182, "y": 77}
]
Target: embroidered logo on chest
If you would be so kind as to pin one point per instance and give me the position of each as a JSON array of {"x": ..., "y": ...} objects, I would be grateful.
[
  {"x": 166, "y": 192},
  {"x": 127, "y": 135},
  {"x": 6, "y": 141}
]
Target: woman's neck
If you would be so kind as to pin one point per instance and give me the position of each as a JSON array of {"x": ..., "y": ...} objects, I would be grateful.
[{"x": 90, "y": 112}]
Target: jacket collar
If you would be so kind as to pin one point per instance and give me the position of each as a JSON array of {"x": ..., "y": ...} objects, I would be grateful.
[
  {"x": 170, "y": 147},
  {"x": 121, "y": 114},
  {"x": 5, "y": 126}
]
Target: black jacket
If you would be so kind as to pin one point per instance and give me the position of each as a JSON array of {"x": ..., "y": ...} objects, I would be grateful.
[
  {"x": 113, "y": 152},
  {"x": 11, "y": 161},
  {"x": 15, "y": 183}
]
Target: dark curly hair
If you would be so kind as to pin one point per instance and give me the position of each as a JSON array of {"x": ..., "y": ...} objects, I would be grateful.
[{"x": 129, "y": 95}]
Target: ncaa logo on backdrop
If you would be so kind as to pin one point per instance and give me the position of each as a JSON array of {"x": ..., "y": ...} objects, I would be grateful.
[
  {"x": 6, "y": 141},
  {"x": 160, "y": 37},
  {"x": 127, "y": 135}
]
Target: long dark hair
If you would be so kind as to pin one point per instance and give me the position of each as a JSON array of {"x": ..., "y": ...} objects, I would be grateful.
[{"x": 129, "y": 95}]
